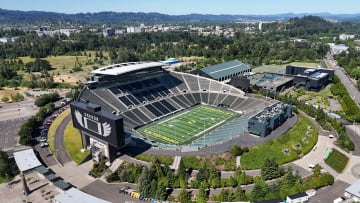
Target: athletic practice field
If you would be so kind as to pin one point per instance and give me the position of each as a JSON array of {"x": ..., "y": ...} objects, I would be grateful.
[{"x": 188, "y": 125}]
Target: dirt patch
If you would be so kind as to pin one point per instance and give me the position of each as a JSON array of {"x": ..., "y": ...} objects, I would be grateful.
[{"x": 8, "y": 92}]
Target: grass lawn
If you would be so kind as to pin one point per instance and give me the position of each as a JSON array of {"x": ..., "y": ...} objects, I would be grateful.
[
  {"x": 191, "y": 162},
  {"x": 72, "y": 142},
  {"x": 307, "y": 64},
  {"x": 188, "y": 125},
  {"x": 276, "y": 147},
  {"x": 337, "y": 161},
  {"x": 270, "y": 68},
  {"x": 281, "y": 68},
  {"x": 164, "y": 159},
  {"x": 53, "y": 128}
]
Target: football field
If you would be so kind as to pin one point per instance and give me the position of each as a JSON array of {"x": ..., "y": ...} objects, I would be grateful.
[{"x": 186, "y": 126}]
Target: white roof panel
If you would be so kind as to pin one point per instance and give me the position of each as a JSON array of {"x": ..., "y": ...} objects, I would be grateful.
[
  {"x": 26, "y": 160},
  {"x": 354, "y": 189},
  {"x": 74, "y": 195},
  {"x": 121, "y": 68}
]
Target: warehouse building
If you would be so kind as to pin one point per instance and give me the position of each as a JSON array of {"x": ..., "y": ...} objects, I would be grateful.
[
  {"x": 224, "y": 71},
  {"x": 269, "y": 119}
]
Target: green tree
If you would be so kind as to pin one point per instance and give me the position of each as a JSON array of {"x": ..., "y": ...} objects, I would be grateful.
[
  {"x": 184, "y": 196},
  {"x": 236, "y": 150},
  {"x": 270, "y": 169},
  {"x": 161, "y": 193},
  {"x": 181, "y": 172},
  {"x": 144, "y": 183},
  {"x": 202, "y": 195},
  {"x": 153, "y": 188},
  {"x": 5, "y": 171},
  {"x": 239, "y": 194}
]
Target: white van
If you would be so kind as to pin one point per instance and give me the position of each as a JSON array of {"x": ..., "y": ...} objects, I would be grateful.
[
  {"x": 312, "y": 166},
  {"x": 331, "y": 136}
]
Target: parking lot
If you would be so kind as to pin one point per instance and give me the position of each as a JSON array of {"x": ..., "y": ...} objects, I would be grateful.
[{"x": 9, "y": 136}]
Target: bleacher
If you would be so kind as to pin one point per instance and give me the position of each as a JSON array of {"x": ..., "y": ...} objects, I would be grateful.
[{"x": 144, "y": 101}]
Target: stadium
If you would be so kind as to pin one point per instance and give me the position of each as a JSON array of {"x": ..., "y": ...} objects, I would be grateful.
[{"x": 167, "y": 109}]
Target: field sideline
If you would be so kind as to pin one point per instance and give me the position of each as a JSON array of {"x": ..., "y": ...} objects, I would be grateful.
[{"x": 187, "y": 126}]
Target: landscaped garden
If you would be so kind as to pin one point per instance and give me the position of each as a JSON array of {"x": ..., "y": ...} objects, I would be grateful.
[{"x": 290, "y": 146}]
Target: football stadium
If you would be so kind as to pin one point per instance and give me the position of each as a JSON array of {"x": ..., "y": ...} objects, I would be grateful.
[{"x": 166, "y": 109}]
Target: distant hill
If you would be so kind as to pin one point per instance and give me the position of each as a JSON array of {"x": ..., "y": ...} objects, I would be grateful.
[{"x": 40, "y": 17}]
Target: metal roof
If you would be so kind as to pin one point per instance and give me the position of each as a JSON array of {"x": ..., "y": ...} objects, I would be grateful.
[
  {"x": 74, "y": 195},
  {"x": 41, "y": 169},
  {"x": 26, "y": 160},
  {"x": 221, "y": 70},
  {"x": 62, "y": 184},
  {"x": 354, "y": 189},
  {"x": 121, "y": 68},
  {"x": 51, "y": 177}
]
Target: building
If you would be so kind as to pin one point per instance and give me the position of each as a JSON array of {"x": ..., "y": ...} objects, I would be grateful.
[
  {"x": 310, "y": 78},
  {"x": 74, "y": 195},
  {"x": 269, "y": 119},
  {"x": 345, "y": 37},
  {"x": 297, "y": 198},
  {"x": 107, "y": 32},
  {"x": 241, "y": 82},
  {"x": 357, "y": 42},
  {"x": 271, "y": 82},
  {"x": 224, "y": 71},
  {"x": 353, "y": 191},
  {"x": 338, "y": 48}
]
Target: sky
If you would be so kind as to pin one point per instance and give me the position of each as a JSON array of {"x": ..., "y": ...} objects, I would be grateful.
[{"x": 178, "y": 7}]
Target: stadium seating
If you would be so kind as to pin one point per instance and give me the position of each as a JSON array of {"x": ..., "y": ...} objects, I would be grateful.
[{"x": 144, "y": 101}]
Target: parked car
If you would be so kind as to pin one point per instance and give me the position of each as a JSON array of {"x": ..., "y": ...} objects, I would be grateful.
[
  {"x": 44, "y": 144},
  {"x": 43, "y": 140}
]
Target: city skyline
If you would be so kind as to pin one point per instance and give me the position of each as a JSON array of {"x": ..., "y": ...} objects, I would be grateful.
[{"x": 180, "y": 7}]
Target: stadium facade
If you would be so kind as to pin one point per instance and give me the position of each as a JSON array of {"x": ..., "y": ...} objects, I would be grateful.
[{"x": 136, "y": 94}]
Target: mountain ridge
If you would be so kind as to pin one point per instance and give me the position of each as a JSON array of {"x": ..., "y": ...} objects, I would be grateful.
[{"x": 111, "y": 17}]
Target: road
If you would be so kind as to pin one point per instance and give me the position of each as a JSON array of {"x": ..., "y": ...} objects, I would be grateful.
[
  {"x": 348, "y": 83},
  {"x": 329, "y": 193},
  {"x": 61, "y": 154},
  {"x": 24, "y": 109}
]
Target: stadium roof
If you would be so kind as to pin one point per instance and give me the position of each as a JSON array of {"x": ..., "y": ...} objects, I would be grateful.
[
  {"x": 121, "y": 68},
  {"x": 221, "y": 70},
  {"x": 26, "y": 160},
  {"x": 74, "y": 195}
]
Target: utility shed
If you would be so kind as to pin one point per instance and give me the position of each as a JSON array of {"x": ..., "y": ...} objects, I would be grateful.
[{"x": 26, "y": 160}]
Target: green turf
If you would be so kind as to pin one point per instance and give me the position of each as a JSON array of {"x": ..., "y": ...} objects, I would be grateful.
[
  {"x": 73, "y": 145},
  {"x": 187, "y": 126},
  {"x": 337, "y": 161},
  {"x": 270, "y": 68}
]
